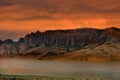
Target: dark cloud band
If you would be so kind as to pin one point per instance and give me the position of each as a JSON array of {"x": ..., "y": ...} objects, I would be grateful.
[{"x": 4, "y": 3}]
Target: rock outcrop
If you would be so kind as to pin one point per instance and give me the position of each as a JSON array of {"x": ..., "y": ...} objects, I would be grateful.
[
  {"x": 76, "y": 37},
  {"x": 1, "y": 42},
  {"x": 67, "y": 40},
  {"x": 8, "y": 48}
]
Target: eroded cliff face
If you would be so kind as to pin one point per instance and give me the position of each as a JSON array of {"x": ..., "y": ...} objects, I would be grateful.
[
  {"x": 76, "y": 37},
  {"x": 67, "y": 40},
  {"x": 8, "y": 47},
  {"x": 1, "y": 42}
]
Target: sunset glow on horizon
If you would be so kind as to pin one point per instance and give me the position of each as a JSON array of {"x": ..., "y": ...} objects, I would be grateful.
[{"x": 19, "y": 17}]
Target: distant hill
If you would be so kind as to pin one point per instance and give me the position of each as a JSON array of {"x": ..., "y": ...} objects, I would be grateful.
[{"x": 70, "y": 44}]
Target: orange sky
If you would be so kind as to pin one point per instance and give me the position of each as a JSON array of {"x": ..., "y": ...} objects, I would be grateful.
[{"x": 19, "y": 17}]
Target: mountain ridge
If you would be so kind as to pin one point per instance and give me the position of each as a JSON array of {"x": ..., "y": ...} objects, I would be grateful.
[{"x": 58, "y": 42}]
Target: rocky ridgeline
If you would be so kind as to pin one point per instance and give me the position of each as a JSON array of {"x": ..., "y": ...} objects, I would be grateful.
[{"x": 77, "y": 38}]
